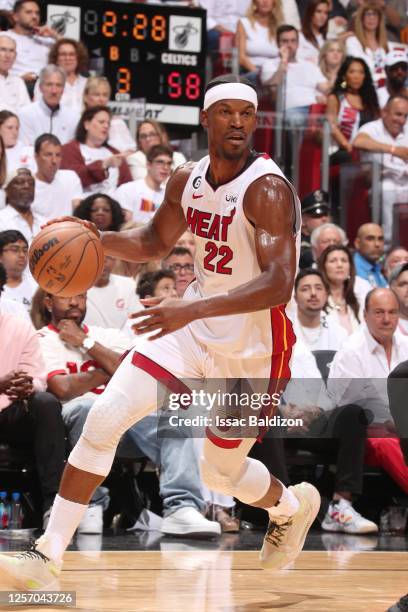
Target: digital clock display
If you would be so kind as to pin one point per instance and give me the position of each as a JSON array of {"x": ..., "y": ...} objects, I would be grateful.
[{"x": 146, "y": 51}]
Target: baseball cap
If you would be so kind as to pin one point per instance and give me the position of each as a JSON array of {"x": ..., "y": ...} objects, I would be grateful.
[
  {"x": 396, "y": 56},
  {"x": 395, "y": 273},
  {"x": 316, "y": 203}
]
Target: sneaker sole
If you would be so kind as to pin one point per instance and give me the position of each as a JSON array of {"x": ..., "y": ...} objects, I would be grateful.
[
  {"x": 24, "y": 584},
  {"x": 314, "y": 502},
  {"x": 191, "y": 531}
]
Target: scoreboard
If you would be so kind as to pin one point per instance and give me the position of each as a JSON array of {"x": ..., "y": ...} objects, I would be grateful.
[{"x": 146, "y": 51}]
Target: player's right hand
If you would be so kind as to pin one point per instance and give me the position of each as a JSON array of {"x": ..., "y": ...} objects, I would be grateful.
[{"x": 88, "y": 224}]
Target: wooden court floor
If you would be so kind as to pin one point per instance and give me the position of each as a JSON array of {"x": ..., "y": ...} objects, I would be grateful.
[{"x": 224, "y": 581}]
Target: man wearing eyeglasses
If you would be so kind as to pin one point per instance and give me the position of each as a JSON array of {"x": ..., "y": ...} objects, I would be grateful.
[
  {"x": 180, "y": 261},
  {"x": 141, "y": 198},
  {"x": 20, "y": 285}
]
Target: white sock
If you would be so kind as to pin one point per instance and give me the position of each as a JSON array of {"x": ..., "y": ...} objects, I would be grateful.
[
  {"x": 64, "y": 519},
  {"x": 287, "y": 505}
]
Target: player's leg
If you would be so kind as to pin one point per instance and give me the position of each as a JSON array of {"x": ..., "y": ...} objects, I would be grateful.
[{"x": 227, "y": 468}]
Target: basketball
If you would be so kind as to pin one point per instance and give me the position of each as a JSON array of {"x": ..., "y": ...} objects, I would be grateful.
[{"x": 66, "y": 258}]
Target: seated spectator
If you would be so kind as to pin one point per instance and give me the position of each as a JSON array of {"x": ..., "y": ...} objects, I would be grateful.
[
  {"x": 222, "y": 17},
  {"x": 342, "y": 431},
  {"x": 20, "y": 285},
  {"x": 394, "y": 258},
  {"x": 99, "y": 166},
  {"x": 141, "y": 198},
  {"x": 312, "y": 37},
  {"x": 72, "y": 57},
  {"x": 369, "y": 251},
  {"x": 331, "y": 57},
  {"x": 3, "y": 173},
  {"x": 399, "y": 284},
  {"x": 33, "y": 41},
  {"x": 47, "y": 115},
  {"x": 359, "y": 372},
  {"x": 17, "y": 214},
  {"x": 79, "y": 361},
  {"x": 315, "y": 212},
  {"x": 112, "y": 299},
  {"x": 148, "y": 134},
  {"x": 396, "y": 71},
  {"x": 13, "y": 92},
  {"x": 256, "y": 36},
  {"x": 344, "y": 301},
  {"x": 317, "y": 330},
  {"x": 370, "y": 40},
  {"x": 97, "y": 92},
  {"x": 102, "y": 210},
  {"x": 352, "y": 103},
  {"x": 305, "y": 83},
  {"x": 324, "y": 236},
  {"x": 28, "y": 416},
  {"x": 161, "y": 283},
  {"x": 389, "y": 136},
  {"x": 187, "y": 241},
  {"x": 181, "y": 262},
  {"x": 18, "y": 154},
  {"x": 56, "y": 191}
]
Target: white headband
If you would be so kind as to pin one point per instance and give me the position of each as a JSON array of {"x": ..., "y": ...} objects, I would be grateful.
[{"x": 230, "y": 91}]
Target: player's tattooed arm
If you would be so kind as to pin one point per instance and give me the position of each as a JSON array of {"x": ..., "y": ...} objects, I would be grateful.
[{"x": 155, "y": 239}]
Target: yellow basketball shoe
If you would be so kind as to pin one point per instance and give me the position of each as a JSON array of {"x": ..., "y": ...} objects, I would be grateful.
[
  {"x": 286, "y": 536},
  {"x": 30, "y": 571}
]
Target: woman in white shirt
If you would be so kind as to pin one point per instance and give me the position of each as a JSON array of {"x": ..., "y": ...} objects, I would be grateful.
[
  {"x": 315, "y": 23},
  {"x": 148, "y": 134},
  {"x": 256, "y": 35},
  {"x": 337, "y": 266},
  {"x": 97, "y": 92},
  {"x": 18, "y": 155},
  {"x": 370, "y": 40},
  {"x": 72, "y": 56}
]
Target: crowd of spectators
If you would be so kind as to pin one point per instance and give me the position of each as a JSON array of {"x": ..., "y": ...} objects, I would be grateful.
[{"x": 63, "y": 152}]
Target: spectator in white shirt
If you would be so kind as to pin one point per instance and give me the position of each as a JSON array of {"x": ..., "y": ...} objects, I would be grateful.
[
  {"x": 47, "y": 115},
  {"x": 389, "y": 136},
  {"x": 57, "y": 192},
  {"x": 20, "y": 286},
  {"x": 97, "y": 92},
  {"x": 102, "y": 210},
  {"x": 394, "y": 258},
  {"x": 317, "y": 330},
  {"x": 304, "y": 83},
  {"x": 112, "y": 299},
  {"x": 396, "y": 70},
  {"x": 399, "y": 283},
  {"x": 18, "y": 154},
  {"x": 325, "y": 235},
  {"x": 315, "y": 23},
  {"x": 72, "y": 56},
  {"x": 222, "y": 17},
  {"x": 33, "y": 41},
  {"x": 141, "y": 198},
  {"x": 13, "y": 92},
  {"x": 370, "y": 40},
  {"x": 19, "y": 197}
]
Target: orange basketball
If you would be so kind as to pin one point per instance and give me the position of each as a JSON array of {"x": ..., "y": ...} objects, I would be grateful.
[{"x": 66, "y": 258}]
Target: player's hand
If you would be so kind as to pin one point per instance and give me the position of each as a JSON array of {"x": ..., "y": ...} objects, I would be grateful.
[
  {"x": 88, "y": 224},
  {"x": 169, "y": 315},
  {"x": 71, "y": 333}
]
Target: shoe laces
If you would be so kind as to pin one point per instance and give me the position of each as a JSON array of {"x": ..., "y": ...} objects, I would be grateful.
[
  {"x": 33, "y": 553},
  {"x": 276, "y": 532}
]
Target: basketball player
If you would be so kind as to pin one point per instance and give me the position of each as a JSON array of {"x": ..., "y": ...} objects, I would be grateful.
[{"x": 231, "y": 323}]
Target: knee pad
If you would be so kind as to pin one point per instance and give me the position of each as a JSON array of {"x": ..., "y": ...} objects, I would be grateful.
[{"x": 214, "y": 480}]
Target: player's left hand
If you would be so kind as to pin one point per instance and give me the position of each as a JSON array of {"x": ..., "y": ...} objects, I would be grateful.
[
  {"x": 165, "y": 315},
  {"x": 71, "y": 333}
]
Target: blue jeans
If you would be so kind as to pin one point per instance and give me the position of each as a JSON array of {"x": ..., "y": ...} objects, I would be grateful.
[{"x": 180, "y": 484}]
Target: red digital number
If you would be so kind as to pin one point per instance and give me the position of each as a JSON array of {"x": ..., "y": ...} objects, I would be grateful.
[
  {"x": 193, "y": 86},
  {"x": 225, "y": 254},
  {"x": 175, "y": 85}
]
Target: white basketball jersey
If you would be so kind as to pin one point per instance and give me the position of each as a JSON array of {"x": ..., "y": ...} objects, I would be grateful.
[{"x": 226, "y": 257}]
